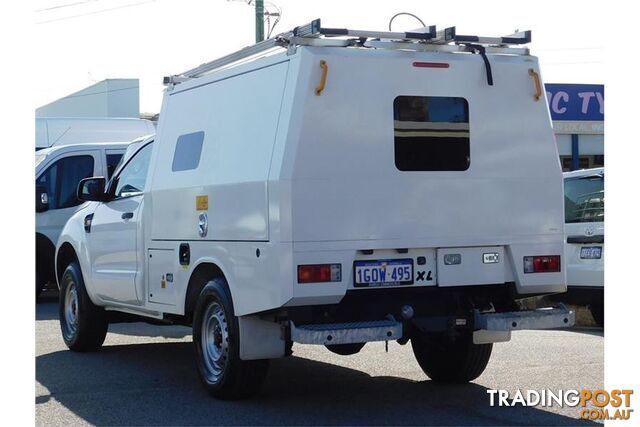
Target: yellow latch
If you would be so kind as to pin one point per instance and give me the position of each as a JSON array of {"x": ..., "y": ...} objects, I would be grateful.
[
  {"x": 536, "y": 81},
  {"x": 323, "y": 77}
]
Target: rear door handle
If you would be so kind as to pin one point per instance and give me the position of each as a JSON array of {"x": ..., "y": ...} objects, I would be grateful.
[{"x": 127, "y": 215}]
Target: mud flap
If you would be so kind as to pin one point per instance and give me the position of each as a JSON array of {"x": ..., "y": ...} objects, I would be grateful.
[
  {"x": 485, "y": 337},
  {"x": 260, "y": 339}
]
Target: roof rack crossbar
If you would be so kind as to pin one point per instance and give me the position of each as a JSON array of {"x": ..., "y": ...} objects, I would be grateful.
[
  {"x": 336, "y": 32},
  {"x": 427, "y": 38},
  {"x": 522, "y": 37}
]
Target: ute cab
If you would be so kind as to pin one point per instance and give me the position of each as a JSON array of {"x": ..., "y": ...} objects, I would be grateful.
[{"x": 355, "y": 187}]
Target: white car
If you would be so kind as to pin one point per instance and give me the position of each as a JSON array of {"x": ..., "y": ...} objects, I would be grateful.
[
  {"x": 58, "y": 171},
  {"x": 336, "y": 192},
  {"x": 584, "y": 248}
]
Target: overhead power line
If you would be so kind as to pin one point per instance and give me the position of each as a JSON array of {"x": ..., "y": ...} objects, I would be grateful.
[
  {"x": 62, "y": 6},
  {"x": 96, "y": 12}
]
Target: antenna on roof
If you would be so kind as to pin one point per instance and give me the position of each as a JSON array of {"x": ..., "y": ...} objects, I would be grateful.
[{"x": 408, "y": 14}]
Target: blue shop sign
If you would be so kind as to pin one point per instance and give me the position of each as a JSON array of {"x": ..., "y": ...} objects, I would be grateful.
[{"x": 575, "y": 101}]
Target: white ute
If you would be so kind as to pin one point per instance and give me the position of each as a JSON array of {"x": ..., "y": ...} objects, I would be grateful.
[{"x": 349, "y": 187}]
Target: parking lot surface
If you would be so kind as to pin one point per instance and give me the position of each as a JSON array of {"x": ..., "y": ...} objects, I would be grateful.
[{"x": 141, "y": 379}]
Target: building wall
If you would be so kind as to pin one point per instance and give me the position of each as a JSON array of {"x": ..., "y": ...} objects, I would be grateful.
[
  {"x": 108, "y": 98},
  {"x": 591, "y": 144}
]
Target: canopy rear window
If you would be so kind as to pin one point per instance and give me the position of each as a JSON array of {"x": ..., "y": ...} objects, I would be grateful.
[{"x": 431, "y": 133}]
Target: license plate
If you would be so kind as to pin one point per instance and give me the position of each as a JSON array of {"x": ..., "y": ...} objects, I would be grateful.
[
  {"x": 387, "y": 272},
  {"x": 591, "y": 252}
]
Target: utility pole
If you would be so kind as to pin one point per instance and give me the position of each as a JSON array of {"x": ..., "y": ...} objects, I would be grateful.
[{"x": 259, "y": 20}]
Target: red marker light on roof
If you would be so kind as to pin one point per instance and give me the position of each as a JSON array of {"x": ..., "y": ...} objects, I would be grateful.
[{"x": 431, "y": 64}]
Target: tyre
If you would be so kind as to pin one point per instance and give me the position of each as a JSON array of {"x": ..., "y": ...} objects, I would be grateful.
[
  {"x": 83, "y": 324},
  {"x": 345, "y": 349},
  {"x": 217, "y": 347},
  {"x": 288, "y": 348},
  {"x": 444, "y": 360},
  {"x": 39, "y": 284},
  {"x": 597, "y": 311}
]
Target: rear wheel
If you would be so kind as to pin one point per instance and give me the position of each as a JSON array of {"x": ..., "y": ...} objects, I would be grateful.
[
  {"x": 83, "y": 324},
  {"x": 450, "y": 361},
  {"x": 217, "y": 347}
]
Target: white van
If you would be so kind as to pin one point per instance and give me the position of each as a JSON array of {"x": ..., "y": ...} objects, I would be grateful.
[
  {"x": 356, "y": 186},
  {"x": 584, "y": 250},
  {"x": 59, "y": 170}
]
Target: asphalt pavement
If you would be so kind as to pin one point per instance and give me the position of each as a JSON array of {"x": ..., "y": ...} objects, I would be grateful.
[{"x": 146, "y": 375}]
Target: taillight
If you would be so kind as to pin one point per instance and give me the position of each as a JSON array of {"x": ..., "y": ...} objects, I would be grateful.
[
  {"x": 542, "y": 264},
  {"x": 319, "y": 273}
]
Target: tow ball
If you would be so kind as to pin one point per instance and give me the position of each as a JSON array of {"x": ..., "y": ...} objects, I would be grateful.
[{"x": 406, "y": 313}]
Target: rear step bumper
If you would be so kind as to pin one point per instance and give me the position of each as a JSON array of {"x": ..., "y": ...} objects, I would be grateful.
[
  {"x": 491, "y": 327},
  {"x": 346, "y": 333},
  {"x": 542, "y": 318}
]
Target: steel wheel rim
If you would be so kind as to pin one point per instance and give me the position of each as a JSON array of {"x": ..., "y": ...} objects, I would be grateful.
[
  {"x": 70, "y": 318},
  {"x": 214, "y": 341}
]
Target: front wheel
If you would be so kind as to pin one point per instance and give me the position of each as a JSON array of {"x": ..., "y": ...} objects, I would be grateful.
[
  {"x": 217, "y": 347},
  {"x": 450, "y": 361},
  {"x": 83, "y": 324}
]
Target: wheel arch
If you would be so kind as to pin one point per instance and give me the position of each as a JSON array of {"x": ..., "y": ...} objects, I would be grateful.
[
  {"x": 205, "y": 271},
  {"x": 65, "y": 255}
]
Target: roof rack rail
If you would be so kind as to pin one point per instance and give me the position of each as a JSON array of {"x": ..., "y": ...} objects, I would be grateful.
[{"x": 313, "y": 34}]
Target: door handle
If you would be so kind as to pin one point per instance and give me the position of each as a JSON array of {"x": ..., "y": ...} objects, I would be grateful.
[
  {"x": 536, "y": 80},
  {"x": 127, "y": 215}
]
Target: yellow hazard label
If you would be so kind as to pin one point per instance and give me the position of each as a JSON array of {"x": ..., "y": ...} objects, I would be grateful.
[{"x": 202, "y": 203}]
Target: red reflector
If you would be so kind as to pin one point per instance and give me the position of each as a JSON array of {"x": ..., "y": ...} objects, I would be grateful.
[
  {"x": 542, "y": 264},
  {"x": 319, "y": 273},
  {"x": 431, "y": 64}
]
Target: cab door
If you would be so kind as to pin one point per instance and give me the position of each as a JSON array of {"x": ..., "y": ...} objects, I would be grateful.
[
  {"x": 115, "y": 233},
  {"x": 60, "y": 181}
]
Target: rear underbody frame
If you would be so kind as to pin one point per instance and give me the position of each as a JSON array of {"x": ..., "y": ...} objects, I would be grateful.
[{"x": 490, "y": 312}]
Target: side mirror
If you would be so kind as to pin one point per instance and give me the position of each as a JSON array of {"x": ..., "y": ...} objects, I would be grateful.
[
  {"x": 42, "y": 199},
  {"x": 92, "y": 189}
]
